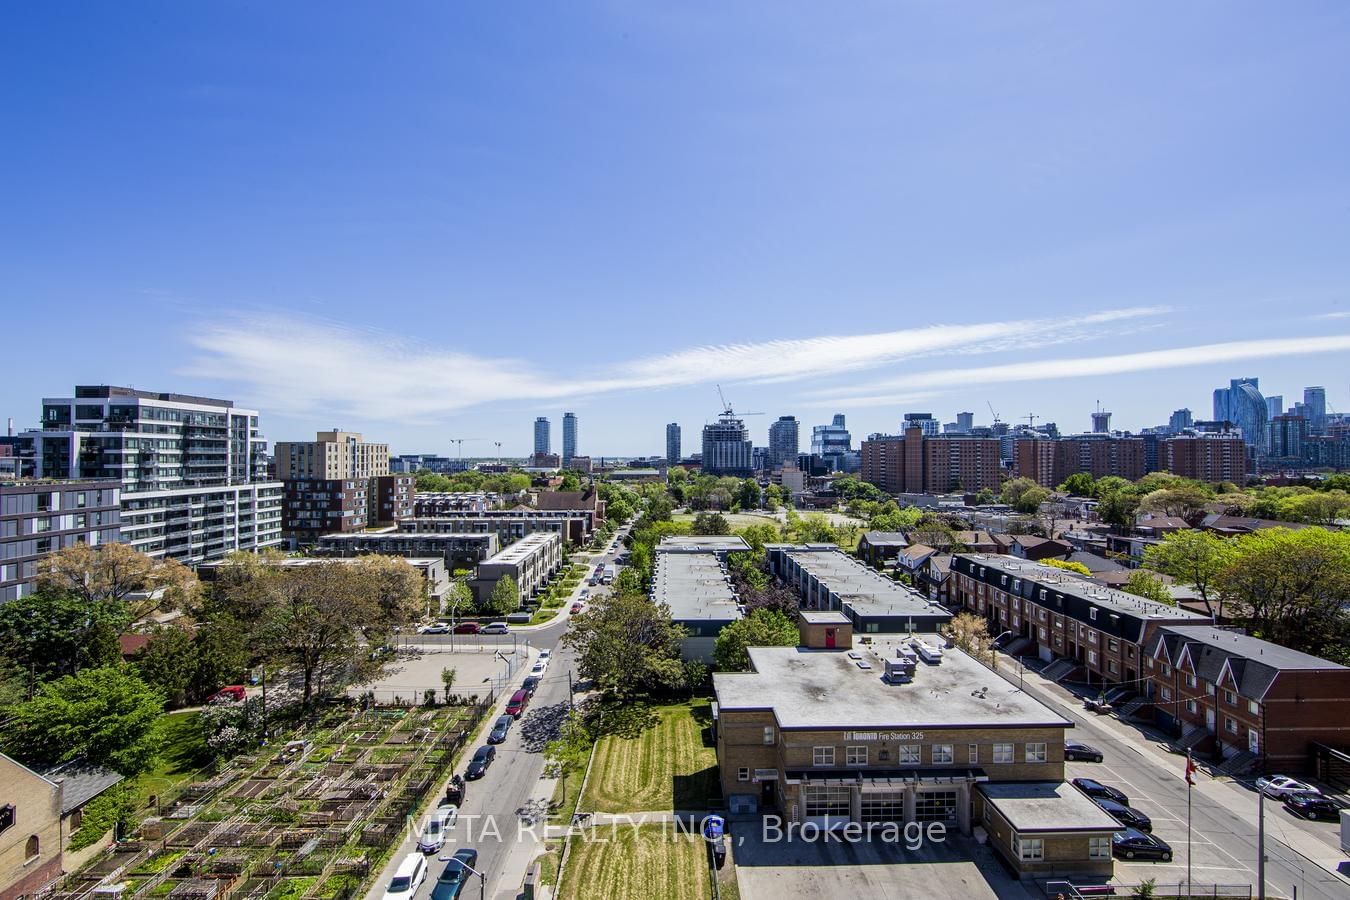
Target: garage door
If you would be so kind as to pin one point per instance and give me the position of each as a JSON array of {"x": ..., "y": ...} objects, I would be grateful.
[
  {"x": 935, "y": 806},
  {"x": 883, "y": 806}
]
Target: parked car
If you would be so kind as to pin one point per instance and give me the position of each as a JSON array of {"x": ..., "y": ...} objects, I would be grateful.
[
  {"x": 530, "y": 684},
  {"x": 408, "y": 877},
  {"x": 516, "y": 705},
  {"x": 1312, "y": 806},
  {"x": 1095, "y": 790},
  {"x": 585, "y": 592},
  {"x": 435, "y": 628},
  {"x": 482, "y": 758},
  {"x": 1134, "y": 844},
  {"x": 538, "y": 669},
  {"x": 468, "y": 628},
  {"x": 545, "y": 655},
  {"x": 1125, "y": 815},
  {"x": 495, "y": 628},
  {"x": 1082, "y": 752},
  {"x": 230, "y": 694},
  {"x": 576, "y": 607},
  {"x": 442, "y": 820},
  {"x": 500, "y": 729},
  {"x": 1279, "y": 786},
  {"x": 455, "y": 875}
]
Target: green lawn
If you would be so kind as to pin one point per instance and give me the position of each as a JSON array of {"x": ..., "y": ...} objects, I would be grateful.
[
  {"x": 637, "y": 864},
  {"x": 182, "y": 753},
  {"x": 735, "y": 520},
  {"x": 653, "y": 758}
]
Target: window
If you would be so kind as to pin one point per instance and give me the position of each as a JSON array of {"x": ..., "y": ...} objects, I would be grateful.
[
  {"x": 42, "y": 524},
  {"x": 826, "y": 799},
  {"x": 1092, "y": 614},
  {"x": 1092, "y": 657},
  {"x": 1112, "y": 644},
  {"x": 6, "y": 816},
  {"x": 973, "y": 754},
  {"x": 743, "y": 773},
  {"x": 32, "y": 848},
  {"x": 822, "y": 756},
  {"x": 1253, "y": 707},
  {"x": 1209, "y": 688},
  {"x": 1112, "y": 667},
  {"x": 1029, "y": 848},
  {"x": 1166, "y": 670},
  {"x": 942, "y": 754},
  {"x": 855, "y": 756},
  {"x": 1003, "y": 753},
  {"x": 768, "y": 734},
  {"x": 1190, "y": 680},
  {"x": 1190, "y": 706},
  {"x": 1036, "y": 752},
  {"x": 1148, "y": 663},
  {"x": 1167, "y": 693},
  {"x": 909, "y": 753},
  {"x": 1099, "y": 848},
  {"x": 1231, "y": 724},
  {"x": 1230, "y": 698}
]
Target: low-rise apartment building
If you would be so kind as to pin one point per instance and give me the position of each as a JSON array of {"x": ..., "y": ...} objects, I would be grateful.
[
  {"x": 828, "y": 578},
  {"x": 40, "y": 516},
  {"x": 824, "y": 733},
  {"x": 530, "y": 561},
  {"x": 1227, "y": 693},
  {"x": 509, "y": 525},
  {"x": 689, "y": 575},
  {"x": 1062, "y": 615},
  {"x": 460, "y": 551}
]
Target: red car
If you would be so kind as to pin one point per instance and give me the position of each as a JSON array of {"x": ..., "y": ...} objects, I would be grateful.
[
  {"x": 468, "y": 628},
  {"x": 576, "y": 607},
  {"x": 516, "y": 705},
  {"x": 229, "y": 694}
]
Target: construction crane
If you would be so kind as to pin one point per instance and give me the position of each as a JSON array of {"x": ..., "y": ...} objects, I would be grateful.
[
  {"x": 498, "y": 444},
  {"x": 459, "y": 442},
  {"x": 993, "y": 411},
  {"x": 1031, "y": 420},
  {"x": 726, "y": 407}
]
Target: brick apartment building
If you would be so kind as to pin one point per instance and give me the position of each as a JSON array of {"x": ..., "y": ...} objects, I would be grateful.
[
  {"x": 338, "y": 484},
  {"x": 1228, "y": 694},
  {"x": 1049, "y": 462},
  {"x": 916, "y": 464},
  {"x": 1206, "y": 457},
  {"x": 1060, "y": 615}
]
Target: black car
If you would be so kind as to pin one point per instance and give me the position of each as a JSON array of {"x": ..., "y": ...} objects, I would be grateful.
[
  {"x": 482, "y": 758},
  {"x": 454, "y": 876},
  {"x": 530, "y": 684},
  {"x": 1312, "y": 806},
  {"x": 501, "y": 728},
  {"x": 1096, "y": 790},
  {"x": 1125, "y": 815},
  {"x": 1081, "y": 752},
  {"x": 1134, "y": 844}
]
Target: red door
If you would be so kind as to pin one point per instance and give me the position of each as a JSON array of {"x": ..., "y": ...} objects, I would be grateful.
[{"x": 829, "y": 638}]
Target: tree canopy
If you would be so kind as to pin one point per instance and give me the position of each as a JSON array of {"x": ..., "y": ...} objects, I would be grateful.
[
  {"x": 627, "y": 645},
  {"x": 761, "y": 628}
]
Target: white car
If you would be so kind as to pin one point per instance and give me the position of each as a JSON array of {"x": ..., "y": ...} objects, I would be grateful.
[
  {"x": 539, "y": 668},
  {"x": 408, "y": 878},
  {"x": 545, "y": 655},
  {"x": 1281, "y": 786},
  {"x": 438, "y": 823}
]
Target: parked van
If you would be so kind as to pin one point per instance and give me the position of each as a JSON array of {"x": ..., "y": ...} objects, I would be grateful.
[
  {"x": 516, "y": 705},
  {"x": 495, "y": 628},
  {"x": 408, "y": 878}
]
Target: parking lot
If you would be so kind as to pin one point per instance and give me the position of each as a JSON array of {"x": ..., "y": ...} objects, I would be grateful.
[{"x": 957, "y": 869}]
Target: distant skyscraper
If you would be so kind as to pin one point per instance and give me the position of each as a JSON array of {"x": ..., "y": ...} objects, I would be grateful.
[
  {"x": 1275, "y": 406},
  {"x": 1242, "y": 404},
  {"x": 673, "y": 443},
  {"x": 1315, "y": 399},
  {"x": 832, "y": 443},
  {"x": 542, "y": 443},
  {"x": 964, "y": 422},
  {"x": 569, "y": 438},
  {"x": 1101, "y": 422},
  {"x": 1180, "y": 421},
  {"x": 922, "y": 421},
  {"x": 727, "y": 449},
  {"x": 783, "y": 441}
]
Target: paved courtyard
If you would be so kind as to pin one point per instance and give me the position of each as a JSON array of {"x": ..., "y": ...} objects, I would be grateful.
[{"x": 479, "y": 667}]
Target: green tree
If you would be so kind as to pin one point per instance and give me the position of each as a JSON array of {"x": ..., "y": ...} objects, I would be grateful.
[
  {"x": 221, "y": 655},
  {"x": 711, "y": 524},
  {"x": 893, "y": 518},
  {"x": 505, "y": 596},
  {"x": 773, "y": 496},
  {"x": 168, "y": 663},
  {"x": 627, "y": 645},
  {"x": 1325, "y": 508},
  {"x": 1024, "y": 495},
  {"x": 1079, "y": 484},
  {"x": 50, "y": 633},
  {"x": 448, "y": 675},
  {"x": 1067, "y": 566},
  {"x": 566, "y": 755},
  {"x": 761, "y": 628},
  {"x": 570, "y": 482},
  {"x": 749, "y": 494},
  {"x": 1143, "y": 583},
  {"x": 1117, "y": 508},
  {"x": 1194, "y": 558},
  {"x": 816, "y": 529},
  {"x": 106, "y": 716},
  {"x": 1183, "y": 501},
  {"x": 113, "y": 573}
]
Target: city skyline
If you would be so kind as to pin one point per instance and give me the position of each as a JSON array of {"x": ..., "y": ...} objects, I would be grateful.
[{"x": 991, "y": 217}]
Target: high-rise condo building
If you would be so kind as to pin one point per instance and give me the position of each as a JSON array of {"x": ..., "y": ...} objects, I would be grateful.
[
  {"x": 673, "y": 444},
  {"x": 964, "y": 422},
  {"x": 40, "y": 516},
  {"x": 338, "y": 483},
  {"x": 543, "y": 444},
  {"x": 727, "y": 449},
  {"x": 919, "y": 464},
  {"x": 192, "y": 470},
  {"x": 1180, "y": 421},
  {"x": 569, "y": 438},
  {"x": 1275, "y": 406},
  {"x": 1242, "y": 404},
  {"x": 1101, "y": 422},
  {"x": 922, "y": 421},
  {"x": 783, "y": 441},
  {"x": 1315, "y": 403}
]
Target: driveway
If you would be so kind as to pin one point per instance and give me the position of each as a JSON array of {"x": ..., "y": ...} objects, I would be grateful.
[{"x": 957, "y": 869}]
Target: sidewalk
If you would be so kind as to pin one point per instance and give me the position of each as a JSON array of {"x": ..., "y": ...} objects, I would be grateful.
[{"x": 1223, "y": 790}]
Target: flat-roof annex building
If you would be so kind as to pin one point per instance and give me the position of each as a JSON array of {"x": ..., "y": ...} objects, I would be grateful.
[
  {"x": 828, "y": 578},
  {"x": 690, "y": 577}
]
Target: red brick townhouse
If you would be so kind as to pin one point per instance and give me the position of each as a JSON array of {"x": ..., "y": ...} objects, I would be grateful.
[
  {"x": 1231, "y": 694},
  {"x": 1060, "y": 615}
]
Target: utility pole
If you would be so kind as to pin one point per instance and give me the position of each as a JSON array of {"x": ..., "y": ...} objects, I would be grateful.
[
  {"x": 1261, "y": 845},
  {"x": 571, "y": 692}
]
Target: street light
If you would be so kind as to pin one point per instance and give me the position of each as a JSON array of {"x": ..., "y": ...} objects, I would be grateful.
[{"x": 482, "y": 879}]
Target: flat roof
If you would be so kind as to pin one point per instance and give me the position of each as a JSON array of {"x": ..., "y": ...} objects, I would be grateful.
[
  {"x": 523, "y": 548},
  {"x": 1066, "y": 582},
  {"x": 820, "y": 689},
  {"x": 694, "y": 586},
  {"x": 1031, "y": 806},
  {"x": 866, "y": 590},
  {"x": 825, "y": 617},
  {"x": 709, "y": 543},
  {"x": 412, "y": 536}
]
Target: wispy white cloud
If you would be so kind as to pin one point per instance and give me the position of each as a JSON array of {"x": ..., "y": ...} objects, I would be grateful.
[
  {"x": 306, "y": 366},
  {"x": 1332, "y": 315},
  {"x": 1082, "y": 367}
]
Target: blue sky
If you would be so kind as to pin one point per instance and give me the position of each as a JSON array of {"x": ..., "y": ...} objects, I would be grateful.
[{"x": 436, "y": 220}]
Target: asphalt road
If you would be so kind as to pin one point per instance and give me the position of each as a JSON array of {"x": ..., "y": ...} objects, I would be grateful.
[
  {"x": 1223, "y": 842},
  {"x": 499, "y": 807}
]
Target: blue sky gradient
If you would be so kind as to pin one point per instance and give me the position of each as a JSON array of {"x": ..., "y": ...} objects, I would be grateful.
[{"x": 440, "y": 220}]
